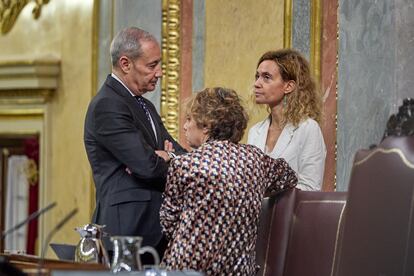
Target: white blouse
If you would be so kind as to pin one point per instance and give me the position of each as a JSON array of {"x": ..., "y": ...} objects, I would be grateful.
[{"x": 303, "y": 147}]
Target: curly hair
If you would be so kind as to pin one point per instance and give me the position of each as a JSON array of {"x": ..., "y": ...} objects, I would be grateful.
[
  {"x": 305, "y": 101},
  {"x": 220, "y": 111}
]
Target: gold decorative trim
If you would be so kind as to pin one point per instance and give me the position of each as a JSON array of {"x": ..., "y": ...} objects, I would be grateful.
[
  {"x": 322, "y": 201},
  {"x": 10, "y": 10},
  {"x": 19, "y": 133},
  {"x": 51, "y": 62},
  {"x": 287, "y": 30},
  {"x": 315, "y": 37},
  {"x": 170, "y": 84},
  {"x": 338, "y": 230},
  {"x": 315, "y": 33},
  {"x": 94, "y": 87},
  {"x": 26, "y": 75},
  {"x": 336, "y": 93},
  {"x": 22, "y": 112},
  {"x": 28, "y": 81},
  {"x": 21, "y": 96},
  {"x": 95, "y": 46},
  {"x": 386, "y": 151},
  {"x": 32, "y": 172}
]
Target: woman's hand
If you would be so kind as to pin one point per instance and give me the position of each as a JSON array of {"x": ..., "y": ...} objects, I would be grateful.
[{"x": 168, "y": 146}]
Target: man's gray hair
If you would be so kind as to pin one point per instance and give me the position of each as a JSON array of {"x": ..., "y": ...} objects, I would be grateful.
[{"x": 127, "y": 42}]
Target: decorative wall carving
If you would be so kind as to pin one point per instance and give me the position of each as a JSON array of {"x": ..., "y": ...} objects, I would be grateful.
[
  {"x": 170, "y": 84},
  {"x": 401, "y": 123},
  {"x": 10, "y": 10}
]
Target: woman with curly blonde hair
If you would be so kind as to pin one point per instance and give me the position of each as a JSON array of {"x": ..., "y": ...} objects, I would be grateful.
[
  {"x": 213, "y": 194},
  {"x": 291, "y": 131}
]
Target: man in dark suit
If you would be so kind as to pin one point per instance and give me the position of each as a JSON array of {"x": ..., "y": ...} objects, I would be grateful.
[{"x": 125, "y": 140}]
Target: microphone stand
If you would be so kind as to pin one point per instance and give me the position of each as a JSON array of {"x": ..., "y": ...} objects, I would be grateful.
[
  {"x": 32, "y": 216},
  {"x": 5, "y": 267},
  {"x": 51, "y": 234}
]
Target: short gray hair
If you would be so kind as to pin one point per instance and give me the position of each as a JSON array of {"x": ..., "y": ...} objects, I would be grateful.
[{"x": 128, "y": 42}]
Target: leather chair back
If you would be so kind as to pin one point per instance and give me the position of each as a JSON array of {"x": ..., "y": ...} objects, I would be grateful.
[
  {"x": 273, "y": 232},
  {"x": 298, "y": 232},
  {"x": 314, "y": 233},
  {"x": 378, "y": 234}
]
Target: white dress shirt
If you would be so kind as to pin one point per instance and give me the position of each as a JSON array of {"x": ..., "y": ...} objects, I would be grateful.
[{"x": 303, "y": 147}]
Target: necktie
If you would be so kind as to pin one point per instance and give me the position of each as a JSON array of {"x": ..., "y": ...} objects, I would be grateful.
[{"x": 141, "y": 102}]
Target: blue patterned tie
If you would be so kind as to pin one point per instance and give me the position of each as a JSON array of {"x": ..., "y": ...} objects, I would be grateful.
[{"x": 140, "y": 100}]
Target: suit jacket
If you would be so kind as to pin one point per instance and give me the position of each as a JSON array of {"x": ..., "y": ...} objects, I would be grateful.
[
  {"x": 117, "y": 136},
  {"x": 212, "y": 205},
  {"x": 302, "y": 147}
]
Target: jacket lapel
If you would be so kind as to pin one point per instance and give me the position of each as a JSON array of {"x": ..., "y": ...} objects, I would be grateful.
[
  {"x": 140, "y": 118},
  {"x": 261, "y": 134},
  {"x": 284, "y": 140}
]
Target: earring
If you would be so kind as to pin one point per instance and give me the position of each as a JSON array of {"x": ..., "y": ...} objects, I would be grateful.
[{"x": 284, "y": 101}]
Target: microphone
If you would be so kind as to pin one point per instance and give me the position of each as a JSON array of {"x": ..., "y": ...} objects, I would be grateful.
[
  {"x": 55, "y": 229},
  {"x": 51, "y": 234},
  {"x": 32, "y": 216},
  {"x": 5, "y": 266}
]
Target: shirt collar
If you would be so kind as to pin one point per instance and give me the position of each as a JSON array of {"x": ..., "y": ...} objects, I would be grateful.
[{"x": 118, "y": 79}]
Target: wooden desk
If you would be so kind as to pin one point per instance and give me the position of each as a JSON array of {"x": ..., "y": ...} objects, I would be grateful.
[{"x": 31, "y": 264}]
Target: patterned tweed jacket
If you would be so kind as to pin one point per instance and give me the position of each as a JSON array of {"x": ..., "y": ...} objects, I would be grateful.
[{"x": 212, "y": 203}]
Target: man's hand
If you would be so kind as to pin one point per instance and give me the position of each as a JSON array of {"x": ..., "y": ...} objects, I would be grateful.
[
  {"x": 168, "y": 153},
  {"x": 163, "y": 154}
]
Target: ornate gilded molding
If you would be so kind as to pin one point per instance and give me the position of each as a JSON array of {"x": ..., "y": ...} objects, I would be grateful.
[
  {"x": 32, "y": 172},
  {"x": 10, "y": 10},
  {"x": 37, "y": 96},
  {"x": 315, "y": 33},
  {"x": 316, "y": 36},
  {"x": 336, "y": 91},
  {"x": 170, "y": 84},
  {"x": 287, "y": 29},
  {"x": 28, "y": 81},
  {"x": 14, "y": 112}
]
